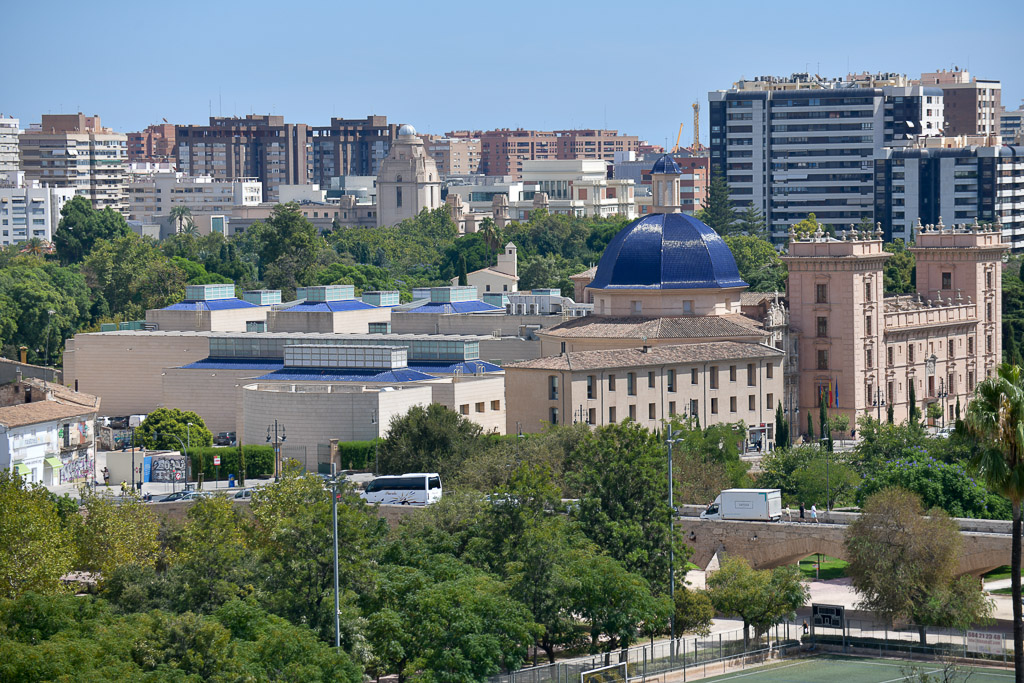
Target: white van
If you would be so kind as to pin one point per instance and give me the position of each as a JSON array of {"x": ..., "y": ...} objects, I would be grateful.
[
  {"x": 136, "y": 420},
  {"x": 417, "y": 488}
]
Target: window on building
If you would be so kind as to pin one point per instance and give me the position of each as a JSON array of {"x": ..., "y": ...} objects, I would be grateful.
[
  {"x": 889, "y": 356},
  {"x": 732, "y": 373},
  {"x": 553, "y": 387},
  {"x": 769, "y": 400},
  {"x": 632, "y": 412},
  {"x": 553, "y": 418},
  {"x": 650, "y": 411},
  {"x": 823, "y": 359},
  {"x": 988, "y": 343},
  {"x": 650, "y": 379},
  {"x": 398, "y": 196},
  {"x": 988, "y": 279},
  {"x": 611, "y": 382},
  {"x": 481, "y": 407},
  {"x": 611, "y": 415},
  {"x": 821, "y": 293},
  {"x": 464, "y": 409},
  {"x": 949, "y": 349},
  {"x": 822, "y": 326},
  {"x": 732, "y": 404},
  {"x": 970, "y": 346},
  {"x": 910, "y": 352},
  {"x": 769, "y": 370},
  {"x": 671, "y": 380},
  {"x": 988, "y": 312},
  {"x": 590, "y": 386},
  {"x": 693, "y": 407},
  {"x": 495, "y": 405},
  {"x": 714, "y": 406},
  {"x": 867, "y": 290},
  {"x": 951, "y": 383},
  {"x": 631, "y": 384},
  {"x": 671, "y": 408},
  {"x": 751, "y": 375},
  {"x": 592, "y": 416},
  {"x": 869, "y": 357},
  {"x": 637, "y": 307},
  {"x": 868, "y": 329},
  {"x": 750, "y": 402},
  {"x": 970, "y": 380},
  {"x": 693, "y": 376},
  {"x": 947, "y": 280},
  {"x": 714, "y": 376}
]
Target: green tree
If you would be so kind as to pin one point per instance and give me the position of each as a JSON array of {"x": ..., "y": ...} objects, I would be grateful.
[
  {"x": 809, "y": 226},
  {"x": 915, "y": 410},
  {"x": 133, "y": 275},
  {"x": 889, "y": 412},
  {"x": 823, "y": 425},
  {"x": 38, "y": 549},
  {"x": 904, "y": 563},
  {"x": 810, "y": 426},
  {"x": 995, "y": 418},
  {"x": 463, "y": 275},
  {"x": 182, "y": 216},
  {"x": 159, "y": 429},
  {"x": 758, "y": 262},
  {"x": 781, "y": 428},
  {"x": 621, "y": 475},
  {"x": 751, "y": 222},
  {"x": 287, "y": 235},
  {"x": 491, "y": 234},
  {"x": 947, "y": 486},
  {"x": 899, "y": 273},
  {"x": 761, "y": 598},
  {"x": 115, "y": 536},
  {"x": 694, "y": 612},
  {"x": 431, "y": 439},
  {"x": 81, "y": 227},
  {"x": 717, "y": 211}
]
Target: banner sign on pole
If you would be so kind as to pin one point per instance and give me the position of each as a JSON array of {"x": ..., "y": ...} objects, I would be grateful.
[{"x": 828, "y": 616}]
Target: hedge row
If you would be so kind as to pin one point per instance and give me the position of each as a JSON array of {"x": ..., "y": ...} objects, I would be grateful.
[
  {"x": 259, "y": 461},
  {"x": 356, "y": 455}
]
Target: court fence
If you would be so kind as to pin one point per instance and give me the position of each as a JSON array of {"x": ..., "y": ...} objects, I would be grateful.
[{"x": 695, "y": 657}]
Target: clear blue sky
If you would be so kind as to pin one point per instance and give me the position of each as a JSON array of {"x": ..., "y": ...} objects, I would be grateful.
[{"x": 634, "y": 66}]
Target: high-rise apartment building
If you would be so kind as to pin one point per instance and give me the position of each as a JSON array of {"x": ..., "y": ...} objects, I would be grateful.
[
  {"x": 503, "y": 150},
  {"x": 806, "y": 145},
  {"x": 1011, "y": 126},
  {"x": 972, "y": 105},
  {"x": 76, "y": 151},
  {"x": 456, "y": 153},
  {"x": 950, "y": 185},
  {"x": 257, "y": 146},
  {"x": 27, "y": 212},
  {"x": 350, "y": 147},
  {"x": 9, "y": 132},
  {"x": 155, "y": 144},
  {"x": 155, "y": 194}
]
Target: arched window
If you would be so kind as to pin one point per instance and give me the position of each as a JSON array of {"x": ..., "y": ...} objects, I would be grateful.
[{"x": 399, "y": 178}]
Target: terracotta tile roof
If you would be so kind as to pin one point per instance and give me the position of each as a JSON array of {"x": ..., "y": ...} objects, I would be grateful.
[
  {"x": 755, "y": 298},
  {"x": 655, "y": 355},
  {"x": 41, "y": 411},
  {"x": 587, "y": 274},
  {"x": 692, "y": 327},
  {"x": 492, "y": 271},
  {"x": 64, "y": 394}
]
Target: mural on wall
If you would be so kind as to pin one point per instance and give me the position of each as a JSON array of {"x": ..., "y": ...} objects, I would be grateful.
[
  {"x": 78, "y": 468},
  {"x": 164, "y": 468}
]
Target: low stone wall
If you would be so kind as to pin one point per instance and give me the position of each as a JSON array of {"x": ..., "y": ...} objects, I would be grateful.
[{"x": 177, "y": 511}]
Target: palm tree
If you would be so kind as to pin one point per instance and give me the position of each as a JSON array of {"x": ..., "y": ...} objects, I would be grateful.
[
  {"x": 179, "y": 214},
  {"x": 36, "y": 247},
  {"x": 189, "y": 228},
  {"x": 996, "y": 419},
  {"x": 489, "y": 231}
]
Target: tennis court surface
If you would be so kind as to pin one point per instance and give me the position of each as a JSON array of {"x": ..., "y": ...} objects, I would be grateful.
[{"x": 836, "y": 669}]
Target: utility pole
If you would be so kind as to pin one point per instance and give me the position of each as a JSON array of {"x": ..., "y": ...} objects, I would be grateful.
[{"x": 278, "y": 440}]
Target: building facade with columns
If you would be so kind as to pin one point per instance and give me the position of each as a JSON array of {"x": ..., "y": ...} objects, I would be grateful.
[{"x": 861, "y": 351}]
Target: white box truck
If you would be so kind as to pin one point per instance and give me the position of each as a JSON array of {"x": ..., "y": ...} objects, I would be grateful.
[{"x": 763, "y": 505}]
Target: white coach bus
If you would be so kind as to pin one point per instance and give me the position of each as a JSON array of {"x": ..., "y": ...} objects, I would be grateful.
[{"x": 417, "y": 488}]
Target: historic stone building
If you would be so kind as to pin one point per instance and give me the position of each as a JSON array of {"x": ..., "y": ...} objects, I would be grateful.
[{"x": 408, "y": 181}]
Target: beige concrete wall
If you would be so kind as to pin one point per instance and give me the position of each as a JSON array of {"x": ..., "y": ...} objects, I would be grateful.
[
  {"x": 232, "y": 320},
  {"x": 508, "y": 349},
  {"x": 348, "y": 322},
  {"x": 214, "y": 394},
  {"x": 668, "y": 303},
  {"x": 474, "y": 398},
  {"x": 530, "y": 404},
  {"x": 552, "y": 346},
  {"x": 126, "y": 369},
  {"x": 407, "y": 322},
  {"x": 314, "y": 413}
]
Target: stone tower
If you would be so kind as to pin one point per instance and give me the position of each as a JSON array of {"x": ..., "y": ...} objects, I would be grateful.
[
  {"x": 665, "y": 186},
  {"x": 408, "y": 181}
]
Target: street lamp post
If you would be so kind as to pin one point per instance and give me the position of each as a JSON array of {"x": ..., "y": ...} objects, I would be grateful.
[
  {"x": 879, "y": 402},
  {"x": 49, "y": 321},
  {"x": 671, "y": 541},
  {"x": 943, "y": 393},
  {"x": 279, "y": 438},
  {"x": 376, "y": 439},
  {"x": 335, "y": 485}
]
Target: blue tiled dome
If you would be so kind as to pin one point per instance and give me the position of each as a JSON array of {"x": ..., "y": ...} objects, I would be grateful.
[
  {"x": 666, "y": 164},
  {"x": 666, "y": 251}
]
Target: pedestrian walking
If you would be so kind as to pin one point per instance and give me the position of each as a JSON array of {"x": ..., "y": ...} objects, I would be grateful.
[
  {"x": 801, "y": 512},
  {"x": 789, "y": 513},
  {"x": 806, "y": 628},
  {"x": 106, "y": 477},
  {"x": 124, "y": 488},
  {"x": 814, "y": 513}
]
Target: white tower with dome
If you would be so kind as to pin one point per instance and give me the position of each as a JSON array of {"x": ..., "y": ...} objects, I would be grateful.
[{"x": 408, "y": 181}]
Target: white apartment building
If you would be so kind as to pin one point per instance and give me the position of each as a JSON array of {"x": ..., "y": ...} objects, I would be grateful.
[
  {"x": 27, "y": 212},
  {"x": 156, "y": 194},
  {"x": 9, "y": 132},
  {"x": 800, "y": 145},
  {"x": 72, "y": 150},
  {"x": 578, "y": 187}
]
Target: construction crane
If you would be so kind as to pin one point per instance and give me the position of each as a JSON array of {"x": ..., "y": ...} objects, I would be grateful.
[
  {"x": 696, "y": 127},
  {"x": 678, "y": 138}
]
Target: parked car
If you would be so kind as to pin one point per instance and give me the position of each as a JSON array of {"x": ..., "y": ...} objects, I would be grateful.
[
  {"x": 177, "y": 495},
  {"x": 244, "y": 494},
  {"x": 224, "y": 439}
]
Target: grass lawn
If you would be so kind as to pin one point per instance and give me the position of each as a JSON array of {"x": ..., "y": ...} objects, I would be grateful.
[
  {"x": 831, "y": 568},
  {"x": 1002, "y": 591},
  {"x": 996, "y": 574}
]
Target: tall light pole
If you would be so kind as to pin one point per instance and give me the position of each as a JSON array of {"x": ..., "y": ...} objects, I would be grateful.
[
  {"x": 943, "y": 393},
  {"x": 671, "y": 541},
  {"x": 335, "y": 486},
  {"x": 279, "y": 437},
  {"x": 376, "y": 439},
  {"x": 879, "y": 402}
]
